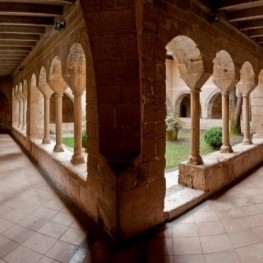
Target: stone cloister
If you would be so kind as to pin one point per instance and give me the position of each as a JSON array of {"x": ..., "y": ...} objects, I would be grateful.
[{"x": 110, "y": 60}]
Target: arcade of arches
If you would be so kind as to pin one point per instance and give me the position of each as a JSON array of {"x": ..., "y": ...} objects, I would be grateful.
[{"x": 106, "y": 73}]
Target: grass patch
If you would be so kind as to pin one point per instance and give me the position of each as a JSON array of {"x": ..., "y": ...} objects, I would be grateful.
[
  {"x": 69, "y": 141},
  {"x": 179, "y": 150}
]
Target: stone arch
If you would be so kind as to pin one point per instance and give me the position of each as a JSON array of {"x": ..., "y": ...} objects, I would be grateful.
[
  {"x": 56, "y": 80},
  {"x": 213, "y": 105},
  {"x": 189, "y": 59},
  {"x": 76, "y": 68},
  {"x": 247, "y": 78},
  {"x": 224, "y": 74},
  {"x": 36, "y": 109}
]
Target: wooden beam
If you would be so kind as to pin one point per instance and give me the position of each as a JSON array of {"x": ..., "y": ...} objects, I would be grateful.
[
  {"x": 231, "y": 5},
  {"x": 15, "y": 49},
  {"x": 26, "y": 20},
  {"x": 246, "y": 14},
  {"x": 27, "y": 9},
  {"x": 18, "y": 37},
  {"x": 18, "y": 29},
  {"x": 17, "y": 43},
  {"x": 255, "y": 32},
  {"x": 253, "y": 24}
]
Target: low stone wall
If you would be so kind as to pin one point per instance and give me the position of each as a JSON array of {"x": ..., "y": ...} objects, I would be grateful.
[
  {"x": 220, "y": 169},
  {"x": 204, "y": 123}
]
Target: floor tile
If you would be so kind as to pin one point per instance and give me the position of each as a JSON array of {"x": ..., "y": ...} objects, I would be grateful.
[
  {"x": 243, "y": 238},
  {"x": 235, "y": 224},
  {"x": 251, "y": 253},
  {"x": 40, "y": 243},
  {"x": 44, "y": 213},
  {"x": 62, "y": 218},
  {"x": 18, "y": 233},
  {"x": 255, "y": 220},
  {"x": 218, "y": 243},
  {"x": 6, "y": 246},
  {"x": 185, "y": 230},
  {"x": 53, "y": 230},
  {"x": 189, "y": 259},
  {"x": 48, "y": 260},
  {"x": 22, "y": 255},
  {"x": 186, "y": 246},
  {"x": 73, "y": 236},
  {"x": 33, "y": 223},
  {"x": 201, "y": 217},
  {"x": 222, "y": 257},
  {"x": 61, "y": 251},
  {"x": 5, "y": 224},
  {"x": 210, "y": 228}
]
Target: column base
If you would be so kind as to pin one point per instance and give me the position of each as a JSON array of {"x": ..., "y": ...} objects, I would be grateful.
[
  {"x": 196, "y": 160},
  {"x": 226, "y": 149},
  {"x": 46, "y": 141},
  {"x": 58, "y": 148},
  {"x": 247, "y": 142},
  {"x": 77, "y": 159}
]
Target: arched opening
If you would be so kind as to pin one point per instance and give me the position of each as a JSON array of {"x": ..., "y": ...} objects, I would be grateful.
[
  {"x": 5, "y": 113},
  {"x": 214, "y": 106},
  {"x": 185, "y": 110},
  {"x": 217, "y": 108}
]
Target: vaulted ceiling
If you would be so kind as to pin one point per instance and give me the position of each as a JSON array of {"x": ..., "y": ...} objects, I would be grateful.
[
  {"x": 246, "y": 16},
  {"x": 22, "y": 24}
]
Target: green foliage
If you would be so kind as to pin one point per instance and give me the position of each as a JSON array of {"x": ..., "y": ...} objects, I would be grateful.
[
  {"x": 84, "y": 139},
  {"x": 69, "y": 141},
  {"x": 172, "y": 123},
  {"x": 213, "y": 137}
]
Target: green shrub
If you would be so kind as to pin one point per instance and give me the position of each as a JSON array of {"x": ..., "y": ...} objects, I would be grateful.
[
  {"x": 84, "y": 139},
  {"x": 213, "y": 137},
  {"x": 172, "y": 123}
]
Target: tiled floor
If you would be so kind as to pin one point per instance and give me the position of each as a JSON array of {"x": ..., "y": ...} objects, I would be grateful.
[{"x": 37, "y": 226}]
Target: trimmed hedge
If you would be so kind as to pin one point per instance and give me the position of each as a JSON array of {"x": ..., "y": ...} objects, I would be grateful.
[{"x": 213, "y": 137}]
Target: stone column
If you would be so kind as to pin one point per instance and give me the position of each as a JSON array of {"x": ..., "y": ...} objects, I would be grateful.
[
  {"x": 195, "y": 157},
  {"x": 46, "y": 139},
  {"x": 58, "y": 105},
  {"x": 78, "y": 153},
  {"x": 24, "y": 101},
  {"x": 20, "y": 113},
  {"x": 246, "y": 139},
  {"x": 226, "y": 147}
]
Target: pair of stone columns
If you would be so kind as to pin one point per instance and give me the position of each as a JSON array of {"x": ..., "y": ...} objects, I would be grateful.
[
  {"x": 78, "y": 152},
  {"x": 195, "y": 157}
]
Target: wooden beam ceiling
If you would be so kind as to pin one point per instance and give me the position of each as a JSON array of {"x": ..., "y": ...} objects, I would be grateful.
[
  {"x": 245, "y": 15},
  {"x": 22, "y": 24}
]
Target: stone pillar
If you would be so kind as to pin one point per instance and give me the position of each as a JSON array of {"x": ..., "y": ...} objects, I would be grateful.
[
  {"x": 246, "y": 139},
  {"x": 24, "y": 101},
  {"x": 46, "y": 139},
  {"x": 78, "y": 153},
  {"x": 20, "y": 112},
  {"x": 226, "y": 147},
  {"x": 195, "y": 157},
  {"x": 58, "y": 105}
]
